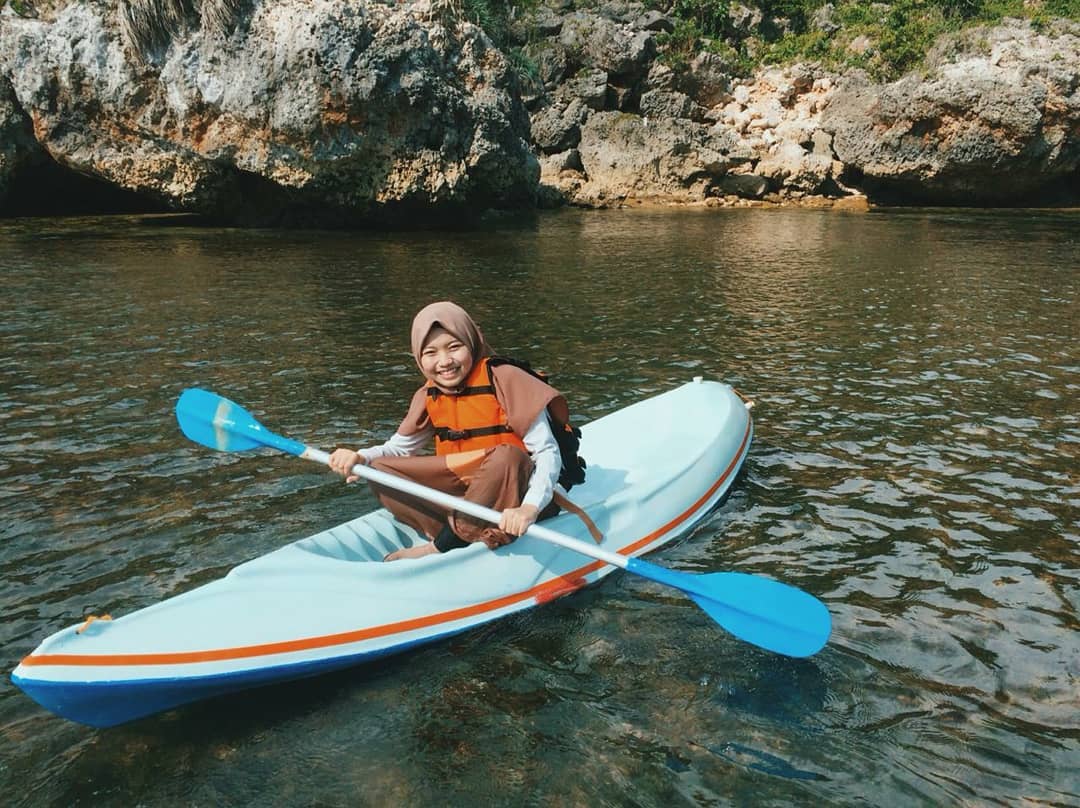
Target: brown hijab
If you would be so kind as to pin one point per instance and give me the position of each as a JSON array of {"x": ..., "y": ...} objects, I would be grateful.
[
  {"x": 523, "y": 396},
  {"x": 455, "y": 320}
]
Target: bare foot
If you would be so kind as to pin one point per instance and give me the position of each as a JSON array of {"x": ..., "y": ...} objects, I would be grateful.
[{"x": 416, "y": 551}]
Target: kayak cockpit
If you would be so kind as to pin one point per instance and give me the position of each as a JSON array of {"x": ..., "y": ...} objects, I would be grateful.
[
  {"x": 367, "y": 538},
  {"x": 372, "y": 536}
]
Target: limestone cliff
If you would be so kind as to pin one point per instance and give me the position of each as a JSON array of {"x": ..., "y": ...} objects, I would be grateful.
[
  {"x": 994, "y": 118},
  {"x": 348, "y": 112},
  {"x": 308, "y": 111}
]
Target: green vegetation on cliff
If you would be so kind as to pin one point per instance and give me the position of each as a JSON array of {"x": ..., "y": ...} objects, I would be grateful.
[{"x": 886, "y": 39}]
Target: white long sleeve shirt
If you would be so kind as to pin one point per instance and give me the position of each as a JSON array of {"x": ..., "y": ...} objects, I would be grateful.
[{"x": 539, "y": 442}]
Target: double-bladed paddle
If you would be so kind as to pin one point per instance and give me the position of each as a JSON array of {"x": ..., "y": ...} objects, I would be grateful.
[{"x": 761, "y": 611}]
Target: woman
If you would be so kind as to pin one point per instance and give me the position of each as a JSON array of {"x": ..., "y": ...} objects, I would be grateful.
[{"x": 493, "y": 441}]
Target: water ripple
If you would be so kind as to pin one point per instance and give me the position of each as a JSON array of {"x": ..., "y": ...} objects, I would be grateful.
[{"x": 914, "y": 465}]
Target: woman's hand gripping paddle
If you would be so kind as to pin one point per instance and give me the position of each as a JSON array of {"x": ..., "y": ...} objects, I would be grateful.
[{"x": 761, "y": 611}]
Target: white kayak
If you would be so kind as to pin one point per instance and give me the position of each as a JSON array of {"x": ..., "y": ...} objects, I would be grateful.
[{"x": 328, "y": 601}]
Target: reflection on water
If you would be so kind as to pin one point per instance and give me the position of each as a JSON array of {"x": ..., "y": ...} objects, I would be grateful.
[{"x": 914, "y": 465}]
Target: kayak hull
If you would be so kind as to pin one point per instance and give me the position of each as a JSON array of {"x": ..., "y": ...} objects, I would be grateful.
[
  {"x": 105, "y": 703},
  {"x": 327, "y": 602}
]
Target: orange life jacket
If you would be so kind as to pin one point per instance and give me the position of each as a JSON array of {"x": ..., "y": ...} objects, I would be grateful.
[{"x": 471, "y": 419}]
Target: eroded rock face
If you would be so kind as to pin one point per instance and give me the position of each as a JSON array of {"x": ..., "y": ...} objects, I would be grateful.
[
  {"x": 762, "y": 137},
  {"x": 627, "y": 156},
  {"x": 346, "y": 111},
  {"x": 992, "y": 125},
  {"x": 595, "y": 41},
  {"x": 313, "y": 111},
  {"x": 674, "y": 135},
  {"x": 995, "y": 119}
]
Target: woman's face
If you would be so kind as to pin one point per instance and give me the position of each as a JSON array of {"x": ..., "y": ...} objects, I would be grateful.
[{"x": 445, "y": 360}]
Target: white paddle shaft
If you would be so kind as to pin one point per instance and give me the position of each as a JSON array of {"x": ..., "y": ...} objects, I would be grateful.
[{"x": 470, "y": 508}]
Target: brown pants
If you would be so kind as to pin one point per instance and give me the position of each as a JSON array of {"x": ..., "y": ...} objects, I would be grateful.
[{"x": 495, "y": 478}]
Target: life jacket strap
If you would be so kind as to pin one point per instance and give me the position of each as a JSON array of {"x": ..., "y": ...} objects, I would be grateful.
[
  {"x": 479, "y": 390},
  {"x": 446, "y": 433}
]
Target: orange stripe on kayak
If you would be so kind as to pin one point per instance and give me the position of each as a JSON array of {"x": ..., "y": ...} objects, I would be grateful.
[
  {"x": 543, "y": 593},
  {"x": 568, "y": 585},
  {"x": 288, "y": 646}
]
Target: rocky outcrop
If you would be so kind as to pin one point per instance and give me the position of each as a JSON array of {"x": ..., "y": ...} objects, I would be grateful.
[
  {"x": 312, "y": 111},
  {"x": 759, "y": 138},
  {"x": 638, "y": 129},
  {"x": 350, "y": 111},
  {"x": 995, "y": 119},
  {"x": 621, "y": 156}
]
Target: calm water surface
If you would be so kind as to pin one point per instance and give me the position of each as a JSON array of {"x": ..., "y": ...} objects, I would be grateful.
[{"x": 915, "y": 466}]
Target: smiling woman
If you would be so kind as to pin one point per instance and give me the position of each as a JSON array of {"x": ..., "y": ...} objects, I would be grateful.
[{"x": 493, "y": 438}]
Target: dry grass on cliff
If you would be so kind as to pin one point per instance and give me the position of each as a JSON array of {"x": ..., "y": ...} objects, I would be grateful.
[{"x": 149, "y": 25}]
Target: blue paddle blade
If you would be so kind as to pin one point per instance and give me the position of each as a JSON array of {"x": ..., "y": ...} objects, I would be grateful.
[
  {"x": 214, "y": 421},
  {"x": 768, "y": 613},
  {"x": 761, "y": 611}
]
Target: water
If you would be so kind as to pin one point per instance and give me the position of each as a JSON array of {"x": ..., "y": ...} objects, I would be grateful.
[{"x": 915, "y": 466}]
